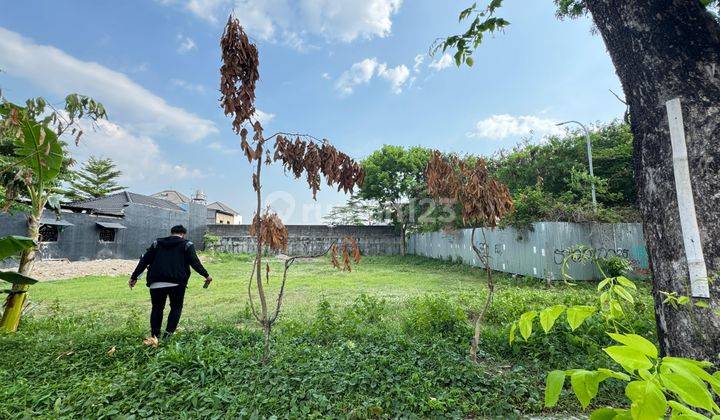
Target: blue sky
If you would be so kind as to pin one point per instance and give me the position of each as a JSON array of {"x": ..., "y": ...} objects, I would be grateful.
[{"x": 353, "y": 71}]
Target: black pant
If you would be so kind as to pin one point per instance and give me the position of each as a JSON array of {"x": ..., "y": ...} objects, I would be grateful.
[{"x": 158, "y": 298}]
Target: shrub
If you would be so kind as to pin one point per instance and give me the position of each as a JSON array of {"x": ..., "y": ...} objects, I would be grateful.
[
  {"x": 367, "y": 309},
  {"x": 436, "y": 316},
  {"x": 615, "y": 266}
]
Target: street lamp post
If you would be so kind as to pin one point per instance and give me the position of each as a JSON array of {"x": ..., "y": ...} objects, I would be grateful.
[{"x": 589, "y": 152}]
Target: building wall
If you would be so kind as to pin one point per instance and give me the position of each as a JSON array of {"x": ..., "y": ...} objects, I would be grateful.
[
  {"x": 539, "y": 252},
  {"x": 225, "y": 219},
  {"x": 311, "y": 239},
  {"x": 143, "y": 225}
]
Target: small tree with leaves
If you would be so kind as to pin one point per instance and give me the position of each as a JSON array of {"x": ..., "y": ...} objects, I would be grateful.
[
  {"x": 97, "y": 178},
  {"x": 305, "y": 155},
  {"x": 36, "y": 130},
  {"x": 395, "y": 179},
  {"x": 483, "y": 201},
  {"x": 355, "y": 212}
]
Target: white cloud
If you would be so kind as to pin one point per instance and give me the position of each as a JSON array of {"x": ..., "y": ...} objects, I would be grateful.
[
  {"x": 190, "y": 87},
  {"x": 140, "y": 68},
  {"x": 350, "y": 19},
  {"x": 397, "y": 76},
  {"x": 419, "y": 59},
  {"x": 186, "y": 44},
  {"x": 326, "y": 76},
  {"x": 442, "y": 63},
  {"x": 503, "y": 126},
  {"x": 216, "y": 145},
  {"x": 343, "y": 21},
  {"x": 296, "y": 41},
  {"x": 205, "y": 9},
  {"x": 264, "y": 117},
  {"x": 363, "y": 71},
  {"x": 137, "y": 156},
  {"x": 127, "y": 102},
  {"x": 359, "y": 73}
]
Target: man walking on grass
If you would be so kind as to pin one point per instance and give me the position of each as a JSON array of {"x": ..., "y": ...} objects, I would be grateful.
[{"x": 170, "y": 260}]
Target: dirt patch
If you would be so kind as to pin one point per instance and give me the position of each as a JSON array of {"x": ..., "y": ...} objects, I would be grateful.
[{"x": 64, "y": 269}]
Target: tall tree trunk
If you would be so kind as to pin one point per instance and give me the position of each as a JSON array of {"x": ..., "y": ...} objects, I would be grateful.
[
  {"x": 264, "y": 317},
  {"x": 403, "y": 236},
  {"x": 15, "y": 301},
  {"x": 665, "y": 49},
  {"x": 484, "y": 257}
]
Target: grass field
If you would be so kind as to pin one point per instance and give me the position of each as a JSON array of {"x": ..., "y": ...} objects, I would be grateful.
[{"x": 391, "y": 338}]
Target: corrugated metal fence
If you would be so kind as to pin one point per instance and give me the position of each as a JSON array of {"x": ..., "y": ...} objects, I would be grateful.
[{"x": 538, "y": 252}]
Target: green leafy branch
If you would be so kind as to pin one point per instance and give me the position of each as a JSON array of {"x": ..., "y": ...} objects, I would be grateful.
[
  {"x": 485, "y": 22},
  {"x": 655, "y": 385}
]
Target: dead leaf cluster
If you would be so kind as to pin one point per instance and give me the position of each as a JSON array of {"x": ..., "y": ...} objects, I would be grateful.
[
  {"x": 483, "y": 199},
  {"x": 307, "y": 157},
  {"x": 238, "y": 74},
  {"x": 273, "y": 232},
  {"x": 347, "y": 246}
]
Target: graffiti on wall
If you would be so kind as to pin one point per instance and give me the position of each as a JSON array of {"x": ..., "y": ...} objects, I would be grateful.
[{"x": 586, "y": 254}]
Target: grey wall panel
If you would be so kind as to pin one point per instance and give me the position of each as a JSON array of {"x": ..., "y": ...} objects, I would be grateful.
[
  {"x": 311, "y": 239},
  {"x": 538, "y": 252},
  {"x": 81, "y": 241}
]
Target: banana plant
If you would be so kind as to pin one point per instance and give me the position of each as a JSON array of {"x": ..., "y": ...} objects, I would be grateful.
[
  {"x": 34, "y": 130},
  {"x": 11, "y": 246}
]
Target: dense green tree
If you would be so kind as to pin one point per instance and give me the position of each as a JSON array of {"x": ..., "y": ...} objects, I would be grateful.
[
  {"x": 550, "y": 181},
  {"x": 662, "y": 50},
  {"x": 355, "y": 212},
  {"x": 395, "y": 181},
  {"x": 552, "y": 163},
  {"x": 97, "y": 178}
]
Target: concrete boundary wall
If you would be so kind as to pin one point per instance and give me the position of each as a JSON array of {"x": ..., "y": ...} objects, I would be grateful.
[
  {"x": 538, "y": 252},
  {"x": 310, "y": 239},
  {"x": 81, "y": 240}
]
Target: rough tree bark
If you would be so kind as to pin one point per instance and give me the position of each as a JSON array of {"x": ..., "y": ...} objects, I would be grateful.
[{"x": 665, "y": 49}]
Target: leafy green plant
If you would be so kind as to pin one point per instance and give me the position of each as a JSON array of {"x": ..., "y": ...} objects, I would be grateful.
[
  {"x": 435, "y": 316},
  {"x": 654, "y": 384},
  {"x": 210, "y": 242},
  {"x": 10, "y": 246},
  {"x": 616, "y": 266}
]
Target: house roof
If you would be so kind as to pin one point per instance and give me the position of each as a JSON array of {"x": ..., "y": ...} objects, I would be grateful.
[
  {"x": 222, "y": 207},
  {"x": 172, "y": 196},
  {"x": 114, "y": 204}
]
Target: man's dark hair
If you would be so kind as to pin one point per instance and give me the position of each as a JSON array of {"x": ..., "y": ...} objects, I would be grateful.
[{"x": 178, "y": 229}]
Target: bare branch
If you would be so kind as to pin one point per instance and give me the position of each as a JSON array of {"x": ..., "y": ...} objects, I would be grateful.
[
  {"x": 288, "y": 263},
  {"x": 618, "y": 98}
]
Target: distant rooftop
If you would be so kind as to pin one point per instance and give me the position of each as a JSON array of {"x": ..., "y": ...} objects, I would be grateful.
[
  {"x": 114, "y": 204},
  {"x": 172, "y": 196},
  {"x": 222, "y": 207}
]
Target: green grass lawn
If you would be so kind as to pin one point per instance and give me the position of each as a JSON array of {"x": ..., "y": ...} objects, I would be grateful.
[{"x": 390, "y": 338}]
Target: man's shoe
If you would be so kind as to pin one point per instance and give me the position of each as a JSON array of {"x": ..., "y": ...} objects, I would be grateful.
[{"x": 167, "y": 335}]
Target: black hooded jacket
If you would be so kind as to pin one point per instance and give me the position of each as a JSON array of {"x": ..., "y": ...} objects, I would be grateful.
[{"x": 170, "y": 260}]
